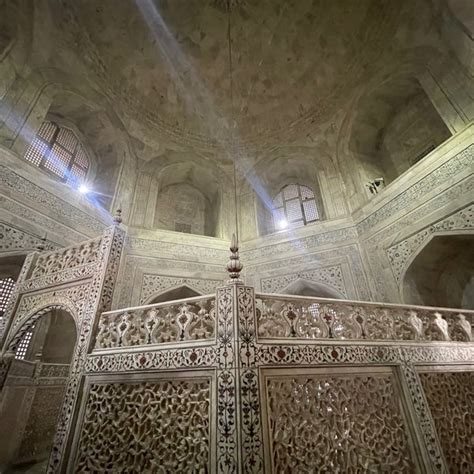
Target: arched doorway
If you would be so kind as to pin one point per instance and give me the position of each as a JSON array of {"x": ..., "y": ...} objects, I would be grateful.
[
  {"x": 311, "y": 288},
  {"x": 178, "y": 293},
  {"x": 442, "y": 273},
  {"x": 33, "y": 392}
]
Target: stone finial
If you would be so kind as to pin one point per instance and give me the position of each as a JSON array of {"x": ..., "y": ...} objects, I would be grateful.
[
  {"x": 234, "y": 267},
  {"x": 117, "y": 217}
]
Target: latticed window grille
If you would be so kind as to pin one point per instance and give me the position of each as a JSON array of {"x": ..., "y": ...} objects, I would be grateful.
[
  {"x": 58, "y": 151},
  {"x": 24, "y": 344},
  {"x": 294, "y": 206},
  {"x": 6, "y": 290}
]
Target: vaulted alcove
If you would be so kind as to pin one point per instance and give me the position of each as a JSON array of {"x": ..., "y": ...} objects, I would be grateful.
[{"x": 442, "y": 273}]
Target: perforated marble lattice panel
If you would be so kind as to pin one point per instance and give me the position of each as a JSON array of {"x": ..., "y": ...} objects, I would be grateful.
[
  {"x": 450, "y": 397},
  {"x": 323, "y": 422},
  {"x": 152, "y": 426}
]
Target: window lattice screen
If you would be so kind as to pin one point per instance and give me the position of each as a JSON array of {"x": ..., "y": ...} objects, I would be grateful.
[
  {"x": 23, "y": 345},
  {"x": 57, "y": 150},
  {"x": 294, "y": 206},
  {"x": 6, "y": 290}
]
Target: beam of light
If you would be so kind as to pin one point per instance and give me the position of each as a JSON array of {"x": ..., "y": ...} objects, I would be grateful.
[
  {"x": 83, "y": 189},
  {"x": 197, "y": 96},
  {"x": 199, "y": 100}
]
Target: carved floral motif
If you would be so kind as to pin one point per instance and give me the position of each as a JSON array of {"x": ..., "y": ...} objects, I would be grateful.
[
  {"x": 318, "y": 319},
  {"x": 450, "y": 396},
  {"x": 157, "y": 324},
  {"x": 160, "y": 426},
  {"x": 65, "y": 259},
  {"x": 336, "y": 424}
]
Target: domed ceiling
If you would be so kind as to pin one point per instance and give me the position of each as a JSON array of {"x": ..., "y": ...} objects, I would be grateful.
[{"x": 165, "y": 65}]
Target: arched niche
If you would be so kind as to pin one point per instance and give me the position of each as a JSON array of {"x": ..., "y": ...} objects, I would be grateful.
[
  {"x": 101, "y": 138},
  {"x": 311, "y": 288},
  {"x": 71, "y": 102},
  {"x": 304, "y": 166},
  {"x": 442, "y": 273},
  {"x": 189, "y": 199},
  {"x": 173, "y": 294},
  {"x": 32, "y": 401},
  {"x": 390, "y": 126}
]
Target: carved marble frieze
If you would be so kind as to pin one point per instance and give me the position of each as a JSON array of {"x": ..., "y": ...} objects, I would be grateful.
[
  {"x": 462, "y": 161},
  {"x": 78, "y": 273},
  {"x": 12, "y": 238},
  {"x": 59, "y": 209},
  {"x": 65, "y": 233},
  {"x": 300, "y": 244},
  {"x": 182, "y": 251},
  {"x": 412, "y": 220},
  {"x": 330, "y": 275},
  {"x": 401, "y": 252},
  {"x": 136, "y": 267},
  {"x": 349, "y": 253}
]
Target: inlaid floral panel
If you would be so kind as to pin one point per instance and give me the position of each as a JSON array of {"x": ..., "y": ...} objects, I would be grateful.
[
  {"x": 157, "y": 426},
  {"x": 330, "y": 423},
  {"x": 450, "y": 397}
]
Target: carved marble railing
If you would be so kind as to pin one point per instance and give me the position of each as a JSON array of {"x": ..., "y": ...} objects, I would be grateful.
[
  {"x": 192, "y": 319},
  {"x": 67, "y": 258},
  {"x": 304, "y": 318}
]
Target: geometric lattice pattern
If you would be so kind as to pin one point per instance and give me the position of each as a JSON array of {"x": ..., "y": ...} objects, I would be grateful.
[
  {"x": 294, "y": 206},
  {"x": 6, "y": 289},
  {"x": 159, "y": 426},
  {"x": 451, "y": 400},
  {"x": 325, "y": 423},
  {"x": 57, "y": 150},
  {"x": 24, "y": 344}
]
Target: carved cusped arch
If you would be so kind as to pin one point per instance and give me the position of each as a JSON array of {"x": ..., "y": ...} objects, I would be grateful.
[
  {"x": 318, "y": 289},
  {"x": 440, "y": 272},
  {"x": 174, "y": 293},
  {"x": 24, "y": 322}
]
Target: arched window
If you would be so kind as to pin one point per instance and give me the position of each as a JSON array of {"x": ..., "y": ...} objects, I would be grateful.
[
  {"x": 294, "y": 206},
  {"x": 58, "y": 151}
]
